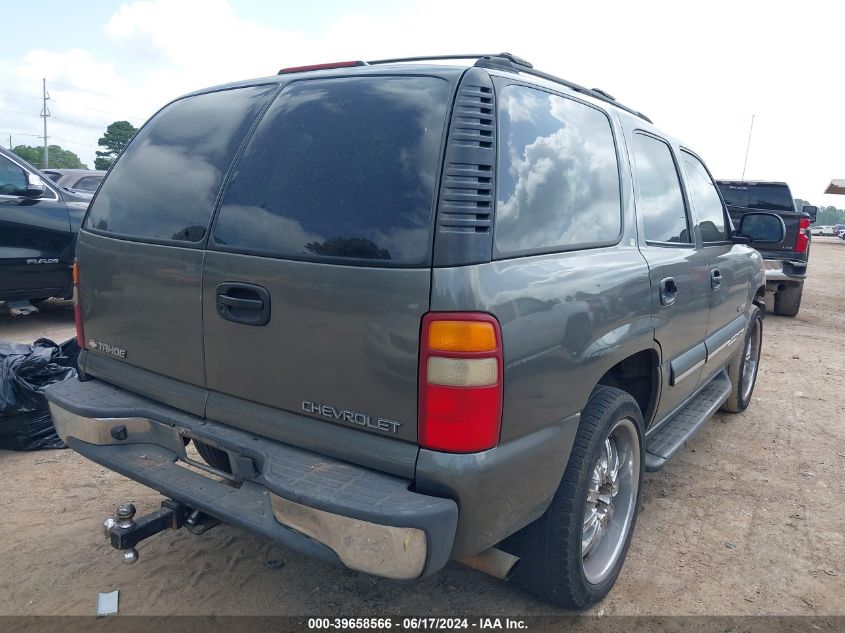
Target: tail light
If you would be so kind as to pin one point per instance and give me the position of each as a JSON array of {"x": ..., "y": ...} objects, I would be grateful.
[
  {"x": 803, "y": 239},
  {"x": 460, "y": 388},
  {"x": 302, "y": 69},
  {"x": 77, "y": 309}
]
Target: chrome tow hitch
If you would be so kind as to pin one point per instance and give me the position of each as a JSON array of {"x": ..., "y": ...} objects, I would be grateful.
[{"x": 124, "y": 532}]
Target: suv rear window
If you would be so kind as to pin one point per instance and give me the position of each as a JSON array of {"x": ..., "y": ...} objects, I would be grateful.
[
  {"x": 754, "y": 196},
  {"x": 164, "y": 185},
  {"x": 340, "y": 169}
]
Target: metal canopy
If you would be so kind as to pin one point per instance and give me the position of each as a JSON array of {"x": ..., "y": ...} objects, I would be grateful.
[{"x": 836, "y": 186}]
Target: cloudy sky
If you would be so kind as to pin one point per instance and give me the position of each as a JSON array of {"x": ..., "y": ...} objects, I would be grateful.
[{"x": 699, "y": 70}]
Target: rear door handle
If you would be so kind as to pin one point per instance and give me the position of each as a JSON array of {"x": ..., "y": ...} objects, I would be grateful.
[
  {"x": 715, "y": 279},
  {"x": 243, "y": 303},
  {"x": 668, "y": 291}
]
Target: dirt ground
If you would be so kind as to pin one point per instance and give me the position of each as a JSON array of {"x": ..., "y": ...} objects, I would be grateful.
[{"x": 748, "y": 519}]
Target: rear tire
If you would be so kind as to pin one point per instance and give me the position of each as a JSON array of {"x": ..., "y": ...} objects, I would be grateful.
[
  {"x": 214, "y": 457},
  {"x": 788, "y": 300},
  {"x": 743, "y": 367},
  {"x": 553, "y": 563}
]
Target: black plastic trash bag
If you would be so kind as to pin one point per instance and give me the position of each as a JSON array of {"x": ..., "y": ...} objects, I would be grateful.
[{"x": 25, "y": 422}]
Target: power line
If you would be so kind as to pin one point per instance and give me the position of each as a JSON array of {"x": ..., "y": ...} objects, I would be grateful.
[
  {"x": 53, "y": 136},
  {"x": 78, "y": 123},
  {"x": 93, "y": 92},
  {"x": 18, "y": 94},
  {"x": 93, "y": 126}
]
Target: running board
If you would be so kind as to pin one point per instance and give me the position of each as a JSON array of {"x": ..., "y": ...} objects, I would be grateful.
[{"x": 671, "y": 435}]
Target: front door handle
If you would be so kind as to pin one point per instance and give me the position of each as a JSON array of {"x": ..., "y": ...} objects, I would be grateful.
[
  {"x": 243, "y": 303},
  {"x": 715, "y": 279},
  {"x": 668, "y": 291}
]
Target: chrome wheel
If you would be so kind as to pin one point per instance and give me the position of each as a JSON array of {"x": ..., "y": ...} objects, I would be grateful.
[
  {"x": 611, "y": 501},
  {"x": 751, "y": 361}
]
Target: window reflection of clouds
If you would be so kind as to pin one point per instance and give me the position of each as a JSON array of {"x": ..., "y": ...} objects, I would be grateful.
[
  {"x": 705, "y": 199},
  {"x": 168, "y": 179},
  {"x": 660, "y": 201},
  {"x": 558, "y": 177}
]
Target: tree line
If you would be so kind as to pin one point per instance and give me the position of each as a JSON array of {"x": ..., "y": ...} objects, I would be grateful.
[
  {"x": 115, "y": 138},
  {"x": 826, "y": 216}
]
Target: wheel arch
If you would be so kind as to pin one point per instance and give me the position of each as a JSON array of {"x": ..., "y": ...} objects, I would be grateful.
[{"x": 638, "y": 375}]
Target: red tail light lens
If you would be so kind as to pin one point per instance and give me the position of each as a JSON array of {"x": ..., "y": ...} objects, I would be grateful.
[
  {"x": 803, "y": 239},
  {"x": 77, "y": 309},
  {"x": 460, "y": 389}
]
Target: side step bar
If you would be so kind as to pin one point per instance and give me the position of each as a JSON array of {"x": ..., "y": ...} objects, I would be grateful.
[{"x": 667, "y": 440}]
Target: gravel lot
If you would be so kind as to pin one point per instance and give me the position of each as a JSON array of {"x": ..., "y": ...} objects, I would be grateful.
[{"x": 748, "y": 519}]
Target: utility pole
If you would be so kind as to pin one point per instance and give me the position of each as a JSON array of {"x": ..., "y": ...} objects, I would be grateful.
[
  {"x": 45, "y": 113},
  {"x": 747, "y": 147}
]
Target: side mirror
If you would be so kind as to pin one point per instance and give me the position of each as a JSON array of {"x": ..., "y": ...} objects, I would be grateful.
[
  {"x": 35, "y": 187},
  {"x": 811, "y": 211},
  {"x": 762, "y": 228}
]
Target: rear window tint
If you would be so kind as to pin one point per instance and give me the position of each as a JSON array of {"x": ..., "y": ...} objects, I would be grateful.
[
  {"x": 165, "y": 184},
  {"x": 340, "y": 168},
  {"x": 558, "y": 176},
  {"x": 757, "y": 196}
]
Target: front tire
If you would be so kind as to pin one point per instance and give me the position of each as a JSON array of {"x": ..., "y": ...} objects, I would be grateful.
[
  {"x": 572, "y": 555},
  {"x": 743, "y": 367}
]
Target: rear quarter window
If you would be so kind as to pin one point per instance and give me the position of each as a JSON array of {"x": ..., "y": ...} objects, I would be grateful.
[
  {"x": 165, "y": 184},
  {"x": 558, "y": 175},
  {"x": 340, "y": 169}
]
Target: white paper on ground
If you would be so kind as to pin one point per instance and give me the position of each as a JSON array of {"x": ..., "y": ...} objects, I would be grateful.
[{"x": 107, "y": 603}]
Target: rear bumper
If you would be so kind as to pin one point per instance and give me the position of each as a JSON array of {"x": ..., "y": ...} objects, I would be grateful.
[
  {"x": 785, "y": 270},
  {"x": 319, "y": 506}
]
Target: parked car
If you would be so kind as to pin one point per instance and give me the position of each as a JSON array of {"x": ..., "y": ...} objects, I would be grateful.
[
  {"x": 786, "y": 260},
  {"x": 77, "y": 179},
  {"x": 38, "y": 226},
  {"x": 828, "y": 231},
  {"x": 401, "y": 331},
  {"x": 816, "y": 230}
]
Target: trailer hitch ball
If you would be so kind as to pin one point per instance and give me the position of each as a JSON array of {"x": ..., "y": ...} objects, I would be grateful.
[
  {"x": 126, "y": 512},
  {"x": 129, "y": 556}
]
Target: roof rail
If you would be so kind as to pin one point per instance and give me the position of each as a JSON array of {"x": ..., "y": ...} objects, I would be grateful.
[
  {"x": 425, "y": 58},
  {"x": 506, "y": 61},
  {"x": 510, "y": 62}
]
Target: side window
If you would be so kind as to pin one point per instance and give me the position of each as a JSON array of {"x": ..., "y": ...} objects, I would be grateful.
[
  {"x": 705, "y": 199},
  {"x": 88, "y": 183},
  {"x": 660, "y": 202},
  {"x": 165, "y": 184},
  {"x": 12, "y": 178},
  {"x": 557, "y": 177}
]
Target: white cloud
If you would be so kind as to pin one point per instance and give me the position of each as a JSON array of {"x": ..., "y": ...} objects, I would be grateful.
[{"x": 699, "y": 70}]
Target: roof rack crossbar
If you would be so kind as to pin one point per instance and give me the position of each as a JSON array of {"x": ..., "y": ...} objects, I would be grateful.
[{"x": 508, "y": 61}]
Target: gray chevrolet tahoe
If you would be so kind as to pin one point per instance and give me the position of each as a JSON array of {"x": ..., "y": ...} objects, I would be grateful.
[{"x": 407, "y": 313}]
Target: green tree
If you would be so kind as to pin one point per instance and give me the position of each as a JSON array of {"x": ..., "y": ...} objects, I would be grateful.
[
  {"x": 117, "y": 136},
  {"x": 58, "y": 158},
  {"x": 830, "y": 215}
]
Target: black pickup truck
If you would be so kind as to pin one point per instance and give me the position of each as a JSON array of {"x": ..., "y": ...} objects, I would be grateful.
[
  {"x": 786, "y": 260},
  {"x": 39, "y": 222}
]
